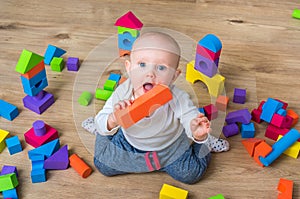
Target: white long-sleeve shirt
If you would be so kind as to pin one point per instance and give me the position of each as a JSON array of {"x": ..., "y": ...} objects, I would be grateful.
[{"x": 157, "y": 131}]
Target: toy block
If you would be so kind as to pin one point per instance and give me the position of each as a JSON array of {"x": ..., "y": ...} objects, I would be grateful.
[
  {"x": 47, "y": 149},
  {"x": 215, "y": 84},
  {"x": 125, "y": 41},
  {"x": 38, "y": 175},
  {"x": 280, "y": 146},
  {"x": 123, "y": 52},
  {"x": 102, "y": 94},
  {"x": 211, "y": 42},
  {"x": 80, "y": 166},
  {"x": 293, "y": 115},
  {"x": 201, "y": 110},
  {"x": 39, "y": 128},
  {"x": 27, "y": 61},
  {"x": 115, "y": 77},
  {"x": 285, "y": 187},
  {"x": 35, "y": 138},
  {"x": 35, "y": 84},
  {"x": 59, "y": 160},
  {"x": 231, "y": 130},
  {"x": 129, "y": 20},
  {"x": 133, "y": 32},
  {"x": 261, "y": 105},
  {"x": 272, "y": 132},
  {"x": 282, "y": 112},
  {"x": 37, "y": 161},
  {"x": 211, "y": 111},
  {"x": 85, "y": 98},
  {"x": 57, "y": 64},
  {"x": 243, "y": 116},
  {"x": 296, "y": 14},
  {"x": 287, "y": 122},
  {"x": 206, "y": 66},
  {"x": 39, "y": 103},
  {"x": 171, "y": 192},
  {"x": 34, "y": 71},
  {"x": 110, "y": 85},
  {"x": 6, "y": 169},
  {"x": 3, "y": 135},
  {"x": 73, "y": 64},
  {"x": 250, "y": 144},
  {"x": 255, "y": 116},
  {"x": 219, "y": 196},
  {"x": 292, "y": 151},
  {"x": 222, "y": 102},
  {"x": 207, "y": 53},
  {"x": 14, "y": 145},
  {"x": 52, "y": 51},
  {"x": 277, "y": 120},
  {"x": 248, "y": 130},
  {"x": 8, "y": 110},
  {"x": 8, "y": 181},
  {"x": 239, "y": 96},
  {"x": 144, "y": 105},
  {"x": 285, "y": 104},
  {"x": 11, "y": 193},
  {"x": 270, "y": 107},
  {"x": 261, "y": 150}
]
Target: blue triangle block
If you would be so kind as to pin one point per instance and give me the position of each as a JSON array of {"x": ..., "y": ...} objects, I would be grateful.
[
  {"x": 47, "y": 149},
  {"x": 211, "y": 42},
  {"x": 52, "y": 51},
  {"x": 59, "y": 160}
]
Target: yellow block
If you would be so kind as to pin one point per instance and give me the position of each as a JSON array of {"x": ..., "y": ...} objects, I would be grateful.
[
  {"x": 292, "y": 151},
  {"x": 214, "y": 84},
  {"x": 3, "y": 135},
  {"x": 171, "y": 192}
]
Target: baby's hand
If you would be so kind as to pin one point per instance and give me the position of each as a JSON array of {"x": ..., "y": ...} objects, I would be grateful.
[
  {"x": 112, "y": 122},
  {"x": 200, "y": 127}
]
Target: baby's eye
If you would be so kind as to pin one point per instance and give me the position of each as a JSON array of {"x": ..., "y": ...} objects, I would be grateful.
[
  {"x": 161, "y": 67},
  {"x": 142, "y": 64}
]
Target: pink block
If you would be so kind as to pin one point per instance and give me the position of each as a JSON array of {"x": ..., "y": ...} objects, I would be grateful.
[
  {"x": 256, "y": 116},
  {"x": 36, "y": 141},
  {"x": 129, "y": 20},
  {"x": 288, "y": 122},
  {"x": 278, "y": 120},
  {"x": 211, "y": 111},
  {"x": 208, "y": 53}
]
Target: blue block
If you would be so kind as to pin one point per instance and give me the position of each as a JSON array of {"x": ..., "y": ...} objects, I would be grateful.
[
  {"x": 114, "y": 77},
  {"x": 125, "y": 41},
  {"x": 248, "y": 130},
  {"x": 281, "y": 112},
  {"x": 47, "y": 149},
  {"x": 52, "y": 51},
  {"x": 201, "y": 110},
  {"x": 36, "y": 84},
  {"x": 38, "y": 175},
  {"x": 8, "y": 111},
  {"x": 211, "y": 42},
  {"x": 206, "y": 66},
  {"x": 11, "y": 193},
  {"x": 13, "y": 144},
  {"x": 270, "y": 107}
]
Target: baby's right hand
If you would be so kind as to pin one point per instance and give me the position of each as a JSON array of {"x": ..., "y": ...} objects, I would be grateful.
[
  {"x": 112, "y": 122},
  {"x": 122, "y": 104}
]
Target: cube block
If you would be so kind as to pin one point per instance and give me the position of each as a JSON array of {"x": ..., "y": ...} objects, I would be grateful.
[{"x": 14, "y": 145}]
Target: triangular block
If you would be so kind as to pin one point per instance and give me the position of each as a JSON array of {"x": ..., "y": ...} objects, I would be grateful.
[
  {"x": 27, "y": 61},
  {"x": 250, "y": 144},
  {"x": 52, "y": 51},
  {"x": 129, "y": 20},
  {"x": 59, "y": 160},
  {"x": 46, "y": 149}
]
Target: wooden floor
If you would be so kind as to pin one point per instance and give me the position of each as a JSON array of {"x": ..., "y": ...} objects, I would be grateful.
[{"x": 261, "y": 45}]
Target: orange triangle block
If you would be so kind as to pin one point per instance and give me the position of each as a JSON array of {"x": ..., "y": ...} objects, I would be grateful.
[
  {"x": 250, "y": 144},
  {"x": 285, "y": 187}
]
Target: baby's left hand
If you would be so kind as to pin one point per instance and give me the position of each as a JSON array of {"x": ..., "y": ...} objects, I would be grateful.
[{"x": 200, "y": 127}]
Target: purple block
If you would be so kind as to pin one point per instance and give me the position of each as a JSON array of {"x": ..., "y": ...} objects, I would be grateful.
[
  {"x": 39, "y": 128},
  {"x": 243, "y": 116},
  {"x": 59, "y": 160},
  {"x": 239, "y": 95},
  {"x": 230, "y": 130},
  {"x": 6, "y": 169},
  {"x": 37, "y": 103},
  {"x": 206, "y": 66},
  {"x": 73, "y": 64}
]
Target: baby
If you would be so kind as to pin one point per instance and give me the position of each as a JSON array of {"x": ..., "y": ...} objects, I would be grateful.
[{"x": 175, "y": 139}]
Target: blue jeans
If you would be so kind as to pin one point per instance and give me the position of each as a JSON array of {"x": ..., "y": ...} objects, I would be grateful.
[{"x": 188, "y": 168}]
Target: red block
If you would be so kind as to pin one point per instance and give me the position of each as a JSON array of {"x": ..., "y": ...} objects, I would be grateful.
[
  {"x": 278, "y": 120},
  {"x": 208, "y": 53},
  {"x": 273, "y": 132},
  {"x": 287, "y": 122},
  {"x": 256, "y": 115},
  {"x": 261, "y": 105},
  {"x": 211, "y": 111}
]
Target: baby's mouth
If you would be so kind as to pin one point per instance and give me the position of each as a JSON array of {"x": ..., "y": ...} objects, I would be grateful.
[{"x": 147, "y": 87}]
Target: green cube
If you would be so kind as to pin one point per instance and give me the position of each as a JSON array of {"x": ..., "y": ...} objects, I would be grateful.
[
  {"x": 110, "y": 85},
  {"x": 57, "y": 64},
  {"x": 27, "y": 61},
  {"x": 8, "y": 181},
  {"x": 219, "y": 196},
  {"x": 296, "y": 14},
  {"x": 103, "y": 94},
  {"x": 133, "y": 32}
]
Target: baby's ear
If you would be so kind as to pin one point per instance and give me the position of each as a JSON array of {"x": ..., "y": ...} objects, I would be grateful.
[
  {"x": 176, "y": 74},
  {"x": 127, "y": 65}
]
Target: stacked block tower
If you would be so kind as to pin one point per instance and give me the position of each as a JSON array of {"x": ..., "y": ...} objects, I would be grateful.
[
  {"x": 129, "y": 27},
  {"x": 33, "y": 77}
]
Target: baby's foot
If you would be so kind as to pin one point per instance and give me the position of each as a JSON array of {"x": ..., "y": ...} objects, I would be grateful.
[
  {"x": 89, "y": 125},
  {"x": 217, "y": 144}
]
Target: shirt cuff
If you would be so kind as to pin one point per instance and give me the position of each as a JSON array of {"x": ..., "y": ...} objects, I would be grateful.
[{"x": 201, "y": 142}]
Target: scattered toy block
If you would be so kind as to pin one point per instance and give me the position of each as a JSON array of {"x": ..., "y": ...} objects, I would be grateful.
[
  {"x": 243, "y": 116},
  {"x": 57, "y": 64},
  {"x": 287, "y": 122},
  {"x": 222, "y": 102},
  {"x": 47, "y": 149},
  {"x": 36, "y": 84},
  {"x": 8, "y": 181},
  {"x": 219, "y": 196},
  {"x": 280, "y": 146},
  {"x": 272, "y": 132},
  {"x": 34, "y": 71},
  {"x": 27, "y": 61},
  {"x": 171, "y": 192},
  {"x": 296, "y": 14},
  {"x": 38, "y": 175},
  {"x": 285, "y": 187},
  {"x": 293, "y": 115},
  {"x": 250, "y": 144},
  {"x": 80, "y": 166},
  {"x": 14, "y": 145},
  {"x": 207, "y": 53},
  {"x": 255, "y": 116},
  {"x": 59, "y": 160},
  {"x": 206, "y": 66},
  {"x": 143, "y": 106},
  {"x": 261, "y": 150},
  {"x": 239, "y": 96},
  {"x": 6, "y": 169},
  {"x": 211, "y": 111},
  {"x": 73, "y": 64},
  {"x": 230, "y": 130},
  {"x": 11, "y": 193},
  {"x": 282, "y": 112},
  {"x": 37, "y": 161},
  {"x": 8, "y": 111},
  {"x": 102, "y": 94},
  {"x": 39, "y": 103},
  {"x": 110, "y": 85},
  {"x": 292, "y": 151},
  {"x": 285, "y": 104},
  {"x": 129, "y": 20},
  {"x": 277, "y": 120},
  {"x": 211, "y": 42},
  {"x": 270, "y": 107},
  {"x": 114, "y": 77},
  {"x": 3, "y": 135},
  {"x": 52, "y": 51},
  {"x": 261, "y": 104},
  {"x": 248, "y": 130},
  {"x": 85, "y": 98}
]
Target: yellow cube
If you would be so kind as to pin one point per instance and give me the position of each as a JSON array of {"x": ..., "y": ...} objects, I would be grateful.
[
  {"x": 3, "y": 136},
  {"x": 292, "y": 151},
  {"x": 171, "y": 192}
]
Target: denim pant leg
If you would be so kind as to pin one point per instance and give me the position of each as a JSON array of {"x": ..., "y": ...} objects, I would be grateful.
[{"x": 191, "y": 166}]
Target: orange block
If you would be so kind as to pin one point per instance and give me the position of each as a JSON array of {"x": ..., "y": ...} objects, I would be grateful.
[
  {"x": 122, "y": 80},
  {"x": 261, "y": 150},
  {"x": 222, "y": 102},
  {"x": 286, "y": 188},
  {"x": 35, "y": 70},
  {"x": 80, "y": 166},
  {"x": 123, "y": 52},
  {"x": 293, "y": 115},
  {"x": 250, "y": 144},
  {"x": 144, "y": 106}
]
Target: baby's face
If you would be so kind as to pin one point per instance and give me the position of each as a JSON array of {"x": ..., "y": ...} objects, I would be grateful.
[{"x": 149, "y": 67}]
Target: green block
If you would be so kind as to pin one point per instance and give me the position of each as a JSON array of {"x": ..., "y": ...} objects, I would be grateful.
[
  {"x": 110, "y": 85},
  {"x": 8, "y": 181},
  {"x": 27, "y": 61},
  {"x": 133, "y": 32},
  {"x": 57, "y": 64},
  {"x": 85, "y": 98},
  {"x": 219, "y": 196},
  {"x": 102, "y": 94},
  {"x": 296, "y": 14}
]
